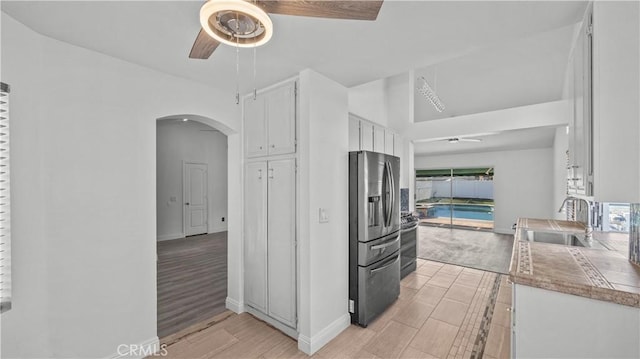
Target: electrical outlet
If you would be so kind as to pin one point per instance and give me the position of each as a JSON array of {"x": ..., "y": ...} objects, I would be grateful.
[
  {"x": 323, "y": 215},
  {"x": 222, "y": 219}
]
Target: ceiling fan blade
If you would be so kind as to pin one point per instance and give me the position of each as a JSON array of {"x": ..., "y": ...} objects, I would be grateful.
[
  {"x": 203, "y": 46},
  {"x": 334, "y": 9}
]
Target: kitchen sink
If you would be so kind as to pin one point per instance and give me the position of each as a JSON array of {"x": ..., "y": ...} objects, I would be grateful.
[{"x": 562, "y": 238}]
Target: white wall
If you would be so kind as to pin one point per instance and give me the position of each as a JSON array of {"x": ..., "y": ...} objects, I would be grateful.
[
  {"x": 389, "y": 102},
  {"x": 324, "y": 180},
  {"x": 84, "y": 194},
  {"x": 560, "y": 147},
  {"x": 522, "y": 181},
  {"x": 190, "y": 141},
  {"x": 369, "y": 101}
]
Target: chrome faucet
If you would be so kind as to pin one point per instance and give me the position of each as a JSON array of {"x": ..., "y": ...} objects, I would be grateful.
[{"x": 588, "y": 230}]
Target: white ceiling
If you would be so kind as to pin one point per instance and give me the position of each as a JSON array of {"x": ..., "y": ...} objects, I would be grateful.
[
  {"x": 406, "y": 35},
  {"x": 514, "y": 73},
  {"x": 541, "y": 137}
]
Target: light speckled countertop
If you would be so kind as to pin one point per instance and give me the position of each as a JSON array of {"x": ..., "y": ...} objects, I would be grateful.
[{"x": 606, "y": 275}]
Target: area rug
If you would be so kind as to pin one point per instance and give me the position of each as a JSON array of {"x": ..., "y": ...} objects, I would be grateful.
[{"x": 474, "y": 249}]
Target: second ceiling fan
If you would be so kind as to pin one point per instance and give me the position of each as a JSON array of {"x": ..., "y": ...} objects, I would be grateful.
[{"x": 247, "y": 23}]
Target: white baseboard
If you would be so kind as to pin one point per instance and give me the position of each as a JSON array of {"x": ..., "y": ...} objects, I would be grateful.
[
  {"x": 311, "y": 345},
  {"x": 234, "y": 305},
  {"x": 217, "y": 229},
  {"x": 167, "y": 237},
  {"x": 148, "y": 348}
]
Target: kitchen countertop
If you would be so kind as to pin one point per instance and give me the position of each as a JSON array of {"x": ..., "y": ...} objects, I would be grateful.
[{"x": 605, "y": 275}]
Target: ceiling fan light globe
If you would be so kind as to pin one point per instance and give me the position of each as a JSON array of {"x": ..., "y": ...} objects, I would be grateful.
[{"x": 209, "y": 17}]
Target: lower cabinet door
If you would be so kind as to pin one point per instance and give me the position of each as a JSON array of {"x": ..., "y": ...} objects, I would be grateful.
[
  {"x": 281, "y": 246},
  {"x": 255, "y": 235}
]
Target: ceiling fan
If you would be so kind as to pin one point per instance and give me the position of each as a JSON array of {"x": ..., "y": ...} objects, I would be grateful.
[
  {"x": 246, "y": 23},
  {"x": 462, "y": 139},
  {"x": 457, "y": 139}
]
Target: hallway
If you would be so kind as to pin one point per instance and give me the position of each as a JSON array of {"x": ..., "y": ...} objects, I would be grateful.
[{"x": 192, "y": 280}]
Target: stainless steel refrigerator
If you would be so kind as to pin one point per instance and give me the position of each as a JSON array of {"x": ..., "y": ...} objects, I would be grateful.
[{"x": 374, "y": 234}]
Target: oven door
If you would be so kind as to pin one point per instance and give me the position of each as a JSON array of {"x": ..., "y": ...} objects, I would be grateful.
[{"x": 378, "y": 287}]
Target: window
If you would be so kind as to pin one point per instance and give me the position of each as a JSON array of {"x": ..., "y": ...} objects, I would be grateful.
[{"x": 5, "y": 215}]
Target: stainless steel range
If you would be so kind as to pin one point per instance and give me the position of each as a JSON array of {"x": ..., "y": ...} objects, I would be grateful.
[{"x": 374, "y": 234}]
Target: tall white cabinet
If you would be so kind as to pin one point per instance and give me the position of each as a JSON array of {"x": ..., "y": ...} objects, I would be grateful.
[{"x": 270, "y": 205}]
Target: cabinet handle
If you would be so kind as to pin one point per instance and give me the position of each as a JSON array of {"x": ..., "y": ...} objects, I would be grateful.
[
  {"x": 273, "y": 146},
  {"x": 270, "y": 172},
  {"x": 260, "y": 147},
  {"x": 574, "y": 179},
  {"x": 574, "y": 166},
  {"x": 259, "y": 174}
]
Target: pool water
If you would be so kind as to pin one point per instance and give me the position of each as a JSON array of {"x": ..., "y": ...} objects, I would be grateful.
[{"x": 466, "y": 211}]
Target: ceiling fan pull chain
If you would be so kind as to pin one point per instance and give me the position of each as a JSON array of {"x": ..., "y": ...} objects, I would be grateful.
[
  {"x": 237, "y": 71},
  {"x": 255, "y": 91}
]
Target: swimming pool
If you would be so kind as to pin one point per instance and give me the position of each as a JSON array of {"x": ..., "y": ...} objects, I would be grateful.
[{"x": 467, "y": 211}]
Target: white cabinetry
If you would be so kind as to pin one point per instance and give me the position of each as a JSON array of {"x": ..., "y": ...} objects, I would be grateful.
[
  {"x": 269, "y": 238},
  {"x": 548, "y": 324},
  {"x": 366, "y": 136},
  {"x": 269, "y": 120},
  {"x": 616, "y": 74},
  {"x": 580, "y": 166},
  {"x": 269, "y": 219},
  {"x": 603, "y": 86}
]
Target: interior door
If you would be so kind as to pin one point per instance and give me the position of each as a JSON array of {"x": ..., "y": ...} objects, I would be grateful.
[
  {"x": 195, "y": 198},
  {"x": 255, "y": 235},
  {"x": 281, "y": 236}
]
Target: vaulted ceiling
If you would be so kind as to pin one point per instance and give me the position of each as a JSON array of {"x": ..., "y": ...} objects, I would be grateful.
[{"x": 479, "y": 55}]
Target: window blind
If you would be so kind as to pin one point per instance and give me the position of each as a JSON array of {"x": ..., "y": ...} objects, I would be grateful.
[{"x": 5, "y": 202}]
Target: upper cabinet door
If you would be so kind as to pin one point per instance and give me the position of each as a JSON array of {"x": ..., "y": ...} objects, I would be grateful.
[
  {"x": 281, "y": 119},
  {"x": 255, "y": 126},
  {"x": 366, "y": 136},
  {"x": 388, "y": 142},
  {"x": 378, "y": 139},
  {"x": 354, "y": 133}
]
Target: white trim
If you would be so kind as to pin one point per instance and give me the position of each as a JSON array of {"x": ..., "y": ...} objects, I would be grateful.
[
  {"x": 312, "y": 345},
  {"x": 167, "y": 237},
  {"x": 284, "y": 328},
  {"x": 150, "y": 348},
  {"x": 234, "y": 305},
  {"x": 217, "y": 229}
]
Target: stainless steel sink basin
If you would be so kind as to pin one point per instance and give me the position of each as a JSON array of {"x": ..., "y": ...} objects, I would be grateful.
[
  {"x": 566, "y": 239},
  {"x": 562, "y": 238}
]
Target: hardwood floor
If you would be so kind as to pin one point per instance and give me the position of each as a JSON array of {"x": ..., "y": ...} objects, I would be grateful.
[
  {"x": 192, "y": 281},
  {"x": 440, "y": 313}
]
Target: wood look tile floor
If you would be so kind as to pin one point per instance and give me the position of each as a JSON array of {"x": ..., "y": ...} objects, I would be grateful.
[
  {"x": 191, "y": 282},
  {"x": 439, "y": 313}
]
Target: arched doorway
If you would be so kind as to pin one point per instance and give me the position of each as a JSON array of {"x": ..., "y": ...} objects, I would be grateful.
[{"x": 191, "y": 201}]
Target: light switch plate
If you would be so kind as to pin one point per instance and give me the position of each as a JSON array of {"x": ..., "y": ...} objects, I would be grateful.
[{"x": 323, "y": 216}]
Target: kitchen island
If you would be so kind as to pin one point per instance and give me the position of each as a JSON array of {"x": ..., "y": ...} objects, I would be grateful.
[{"x": 572, "y": 300}]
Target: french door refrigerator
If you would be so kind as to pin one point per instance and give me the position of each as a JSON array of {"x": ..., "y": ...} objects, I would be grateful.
[{"x": 374, "y": 234}]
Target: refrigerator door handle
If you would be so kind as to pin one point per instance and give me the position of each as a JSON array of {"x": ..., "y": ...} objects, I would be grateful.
[
  {"x": 393, "y": 193},
  {"x": 389, "y": 195},
  {"x": 385, "y": 195},
  {"x": 385, "y": 245}
]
